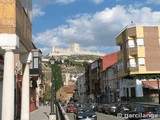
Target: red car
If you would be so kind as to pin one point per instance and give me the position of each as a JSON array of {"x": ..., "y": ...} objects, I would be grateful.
[{"x": 71, "y": 108}]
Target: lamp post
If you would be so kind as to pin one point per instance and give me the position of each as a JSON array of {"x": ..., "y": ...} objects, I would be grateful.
[{"x": 52, "y": 115}]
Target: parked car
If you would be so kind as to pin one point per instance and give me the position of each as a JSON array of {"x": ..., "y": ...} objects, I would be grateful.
[
  {"x": 62, "y": 103},
  {"x": 158, "y": 110},
  {"x": 139, "y": 112},
  {"x": 112, "y": 108},
  {"x": 71, "y": 102},
  {"x": 105, "y": 108},
  {"x": 99, "y": 108},
  {"x": 85, "y": 114},
  {"x": 77, "y": 104},
  {"x": 122, "y": 108},
  {"x": 71, "y": 108}
]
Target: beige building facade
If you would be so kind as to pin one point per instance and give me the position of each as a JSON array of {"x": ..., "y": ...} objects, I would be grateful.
[
  {"x": 138, "y": 60},
  {"x": 139, "y": 50}
]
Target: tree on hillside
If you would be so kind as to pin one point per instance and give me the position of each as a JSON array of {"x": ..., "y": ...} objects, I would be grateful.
[{"x": 57, "y": 76}]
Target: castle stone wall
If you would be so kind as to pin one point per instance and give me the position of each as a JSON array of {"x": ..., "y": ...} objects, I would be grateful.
[{"x": 74, "y": 49}]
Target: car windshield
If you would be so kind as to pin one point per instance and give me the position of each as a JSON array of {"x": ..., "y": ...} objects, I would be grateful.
[
  {"x": 88, "y": 110},
  {"x": 125, "y": 106},
  {"x": 71, "y": 105},
  {"x": 80, "y": 111}
]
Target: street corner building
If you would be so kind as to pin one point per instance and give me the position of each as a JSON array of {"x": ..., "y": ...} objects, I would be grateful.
[
  {"x": 130, "y": 74},
  {"x": 16, "y": 55}
]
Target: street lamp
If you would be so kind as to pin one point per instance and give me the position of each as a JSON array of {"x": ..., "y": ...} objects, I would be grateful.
[{"x": 52, "y": 115}]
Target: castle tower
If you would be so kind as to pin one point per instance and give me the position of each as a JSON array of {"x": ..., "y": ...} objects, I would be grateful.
[
  {"x": 53, "y": 49},
  {"x": 75, "y": 47}
]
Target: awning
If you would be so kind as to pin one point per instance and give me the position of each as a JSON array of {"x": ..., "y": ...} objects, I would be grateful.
[{"x": 151, "y": 84}]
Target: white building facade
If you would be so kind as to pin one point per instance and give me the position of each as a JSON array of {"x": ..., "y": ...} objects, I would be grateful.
[
  {"x": 129, "y": 88},
  {"x": 82, "y": 96},
  {"x": 111, "y": 84}
]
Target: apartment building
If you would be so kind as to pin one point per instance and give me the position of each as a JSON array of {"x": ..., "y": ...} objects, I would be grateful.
[
  {"x": 111, "y": 84},
  {"x": 96, "y": 76},
  {"x": 81, "y": 86},
  {"x": 138, "y": 60}
]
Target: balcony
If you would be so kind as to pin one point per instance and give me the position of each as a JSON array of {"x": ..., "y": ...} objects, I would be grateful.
[
  {"x": 35, "y": 71},
  {"x": 132, "y": 51},
  {"x": 133, "y": 69},
  {"x": 119, "y": 40},
  {"x": 36, "y": 67}
]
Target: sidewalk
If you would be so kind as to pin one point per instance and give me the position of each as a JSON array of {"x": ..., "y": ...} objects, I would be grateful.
[{"x": 42, "y": 113}]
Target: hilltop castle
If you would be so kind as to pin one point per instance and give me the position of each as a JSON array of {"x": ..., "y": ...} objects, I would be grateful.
[{"x": 74, "y": 49}]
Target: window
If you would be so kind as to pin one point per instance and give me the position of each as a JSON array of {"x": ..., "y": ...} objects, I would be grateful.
[
  {"x": 120, "y": 66},
  {"x": 35, "y": 60},
  {"x": 140, "y": 42},
  {"x": 94, "y": 65},
  {"x": 132, "y": 63},
  {"x": 133, "y": 92},
  {"x": 131, "y": 43},
  {"x": 141, "y": 61}
]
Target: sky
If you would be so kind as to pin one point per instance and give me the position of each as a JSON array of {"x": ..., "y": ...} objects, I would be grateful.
[{"x": 94, "y": 24}]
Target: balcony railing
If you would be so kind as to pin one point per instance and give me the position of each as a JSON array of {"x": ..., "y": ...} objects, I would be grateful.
[
  {"x": 133, "y": 69},
  {"x": 132, "y": 51},
  {"x": 35, "y": 71}
]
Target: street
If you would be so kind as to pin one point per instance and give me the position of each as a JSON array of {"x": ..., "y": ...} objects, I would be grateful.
[
  {"x": 100, "y": 116},
  {"x": 42, "y": 113}
]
